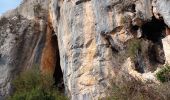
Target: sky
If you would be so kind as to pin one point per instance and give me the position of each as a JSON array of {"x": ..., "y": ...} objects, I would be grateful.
[{"x": 6, "y": 5}]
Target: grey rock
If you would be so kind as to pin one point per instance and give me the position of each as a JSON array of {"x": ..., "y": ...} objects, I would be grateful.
[{"x": 86, "y": 33}]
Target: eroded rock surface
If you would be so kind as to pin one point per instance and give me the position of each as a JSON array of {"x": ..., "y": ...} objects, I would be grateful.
[
  {"x": 21, "y": 42},
  {"x": 91, "y": 40},
  {"x": 91, "y": 34}
]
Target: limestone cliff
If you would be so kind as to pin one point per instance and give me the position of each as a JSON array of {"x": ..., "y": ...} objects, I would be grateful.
[{"x": 85, "y": 43}]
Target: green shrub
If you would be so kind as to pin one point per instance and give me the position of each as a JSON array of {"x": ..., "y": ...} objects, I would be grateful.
[
  {"x": 122, "y": 20},
  {"x": 164, "y": 74},
  {"x": 31, "y": 85},
  {"x": 133, "y": 47}
]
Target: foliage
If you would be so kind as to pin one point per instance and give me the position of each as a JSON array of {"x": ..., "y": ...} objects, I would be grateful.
[
  {"x": 131, "y": 90},
  {"x": 31, "y": 85},
  {"x": 164, "y": 90},
  {"x": 164, "y": 74},
  {"x": 122, "y": 20},
  {"x": 133, "y": 47},
  {"x": 136, "y": 90}
]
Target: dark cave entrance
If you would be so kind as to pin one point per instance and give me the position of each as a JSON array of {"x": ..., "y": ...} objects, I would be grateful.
[
  {"x": 58, "y": 74},
  {"x": 152, "y": 31}
]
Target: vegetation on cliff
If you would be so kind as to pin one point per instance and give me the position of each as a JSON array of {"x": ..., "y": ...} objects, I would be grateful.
[
  {"x": 135, "y": 90},
  {"x": 164, "y": 74},
  {"x": 32, "y": 85}
]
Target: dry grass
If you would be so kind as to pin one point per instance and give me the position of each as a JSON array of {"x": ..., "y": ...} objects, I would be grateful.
[{"x": 131, "y": 89}]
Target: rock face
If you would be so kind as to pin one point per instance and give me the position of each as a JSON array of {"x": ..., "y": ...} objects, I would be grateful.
[
  {"x": 20, "y": 46},
  {"x": 89, "y": 40},
  {"x": 162, "y": 9},
  {"x": 22, "y": 40},
  {"x": 166, "y": 42}
]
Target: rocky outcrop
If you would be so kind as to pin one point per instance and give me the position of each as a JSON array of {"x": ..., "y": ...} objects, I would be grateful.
[
  {"x": 20, "y": 46},
  {"x": 161, "y": 8},
  {"x": 92, "y": 34},
  {"x": 91, "y": 41},
  {"x": 166, "y": 45},
  {"x": 21, "y": 42}
]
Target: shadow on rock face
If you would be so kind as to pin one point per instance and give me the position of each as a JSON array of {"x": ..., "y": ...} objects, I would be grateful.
[
  {"x": 58, "y": 74},
  {"x": 152, "y": 33},
  {"x": 154, "y": 30}
]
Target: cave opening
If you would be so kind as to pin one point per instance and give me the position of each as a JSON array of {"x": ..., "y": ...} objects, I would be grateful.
[
  {"x": 58, "y": 74},
  {"x": 154, "y": 29}
]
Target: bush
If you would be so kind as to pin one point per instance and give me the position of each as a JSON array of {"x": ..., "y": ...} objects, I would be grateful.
[
  {"x": 164, "y": 74},
  {"x": 133, "y": 47},
  {"x": 132, "y": 89},
  {"x": 136, "y": 91},
  {"x": 31, "y": 85},
  {"x": 164, "y": 90}
]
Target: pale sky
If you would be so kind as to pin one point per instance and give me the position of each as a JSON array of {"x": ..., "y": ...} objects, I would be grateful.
[{"x": 6, "y": 5}]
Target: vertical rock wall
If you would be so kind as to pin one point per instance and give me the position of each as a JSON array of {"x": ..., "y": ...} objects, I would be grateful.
[
  {"x": 89, "y": 33},
  {"x": 21, "y": 43},
  {"x": 22, "y": 38},
  {"x": 92, "y": 38},
  {"x": 85, "y": 57}
]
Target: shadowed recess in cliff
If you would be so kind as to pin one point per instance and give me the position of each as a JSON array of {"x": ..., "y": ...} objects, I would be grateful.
[
  {"x": 50, "y": 61},
  {"x": 58, "y": 75},
  {"x": 154, "y": 29}
]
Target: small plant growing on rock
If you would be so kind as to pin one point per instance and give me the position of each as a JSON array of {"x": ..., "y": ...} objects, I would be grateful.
[
  {"x": 164, "y": 74},
  {"x": 122, "y": 20},
  {"x": 133, "y": 47}
]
